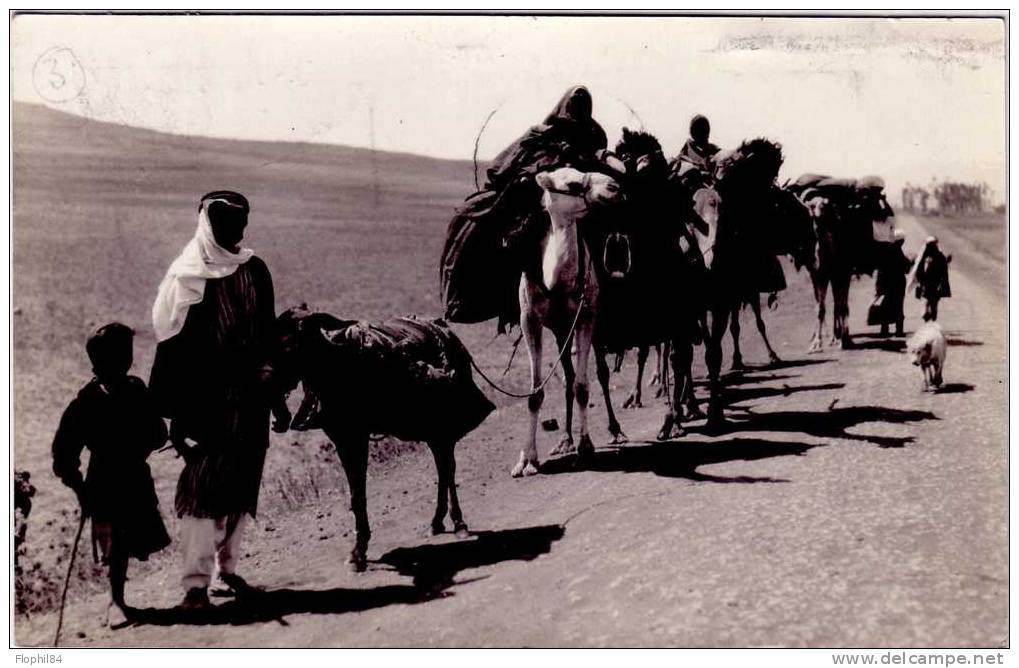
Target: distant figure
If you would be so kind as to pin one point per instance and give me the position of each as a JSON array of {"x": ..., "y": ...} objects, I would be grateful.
[
  {"x": 695, "y": 163},
  {"x": 928, "y": 349},
  {"x": 890, "y": 285},
  {"x": 214, "y": 318},
  {"x": 114, "y": 417},
  {"x": 931, "y": 277}
]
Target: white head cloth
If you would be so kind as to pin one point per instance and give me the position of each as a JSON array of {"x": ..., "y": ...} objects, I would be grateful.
[{"x": 184, "y": 283}]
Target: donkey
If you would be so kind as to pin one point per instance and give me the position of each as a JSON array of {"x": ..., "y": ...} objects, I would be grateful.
[
  {"x": 404, "y": 377},
  {"x": 562, "y": 295}
]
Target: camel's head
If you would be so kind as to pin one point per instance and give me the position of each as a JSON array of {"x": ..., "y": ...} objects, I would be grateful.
[{"x": 570, "y": 192}]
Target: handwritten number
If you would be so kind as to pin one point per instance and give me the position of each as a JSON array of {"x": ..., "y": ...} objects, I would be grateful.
[{"x": 60, "y": 80}]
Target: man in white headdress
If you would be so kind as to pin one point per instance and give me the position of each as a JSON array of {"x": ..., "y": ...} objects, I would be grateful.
[{"x": 214, "y": 317}]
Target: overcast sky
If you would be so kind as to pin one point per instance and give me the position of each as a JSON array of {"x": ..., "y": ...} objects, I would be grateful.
[{"x": 849, "y": 97}]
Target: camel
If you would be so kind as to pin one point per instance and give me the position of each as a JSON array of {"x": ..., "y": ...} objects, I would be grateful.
[
  {"x": 649, "y": 292},
  {"x": 563, "y": 296},
  {"x": 843, "y": 213},
  {"x": 744, "y": 208}
]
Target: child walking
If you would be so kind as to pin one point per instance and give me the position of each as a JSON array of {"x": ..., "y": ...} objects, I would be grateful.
[{"x": 114, "y": 417}]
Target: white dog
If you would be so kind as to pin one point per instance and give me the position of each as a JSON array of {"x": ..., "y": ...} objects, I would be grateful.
[{"x": 927, "y": 349}]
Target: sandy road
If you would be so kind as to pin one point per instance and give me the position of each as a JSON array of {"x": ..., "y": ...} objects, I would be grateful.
[{"x": 844, "y": 508}]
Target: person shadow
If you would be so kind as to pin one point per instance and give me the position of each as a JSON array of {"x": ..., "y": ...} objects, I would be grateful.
[{"x": 432, "y": 568}]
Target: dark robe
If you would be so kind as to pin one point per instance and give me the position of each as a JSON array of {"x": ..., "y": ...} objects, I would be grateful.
[
  {"x": 208, "y": 379},
  {"x": 497, "y": 228},
  {"x": 932, "y": 275},
  {"x": 890, "y": 284},
  {"x": 120, "y": 427}
]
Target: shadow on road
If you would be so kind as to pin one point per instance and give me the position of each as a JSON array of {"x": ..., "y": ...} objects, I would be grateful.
[
  {"x": 954, "y": 388},
  {"x": 890, "y": 345},
  {"x": 952, "y": 341},
  {"x": 432, "y": 567},
  {"x": 677, "y": 459},
  {"x": 735, "y": 395},
  {"x": 832, "y": 423}
]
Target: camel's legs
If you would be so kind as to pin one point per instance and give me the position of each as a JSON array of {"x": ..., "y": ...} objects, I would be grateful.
[
  {"x": 755, "y": 306},
  {"x": 532, "y": 330},
  {"x": 602, "y": 370},
  {"x": 681, "y": 357},
  {"x": 583, "y": 338},
  {"x": 656, "y": 377},
  {"x": 713, "y": 360},
  {"x": 634, "y": 400},
  {"x": 569, "y": 378},
  {"x": 737, "y": 356},
  {"x": 840, "y": 298},
  {"x": 820, "y": 282}
]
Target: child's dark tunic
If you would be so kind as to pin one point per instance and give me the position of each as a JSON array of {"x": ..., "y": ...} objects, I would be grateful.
[{"x": 120, "y": 428}]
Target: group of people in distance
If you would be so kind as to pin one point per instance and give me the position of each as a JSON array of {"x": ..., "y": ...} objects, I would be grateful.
[
  {"x": 896, "y": 271},
  {"x": 214, "y": 317}
]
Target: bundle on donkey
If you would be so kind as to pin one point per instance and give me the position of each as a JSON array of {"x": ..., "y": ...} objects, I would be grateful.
[{"x": 404, "y": 377}]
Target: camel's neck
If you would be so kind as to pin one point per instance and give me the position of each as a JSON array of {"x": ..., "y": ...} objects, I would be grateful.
[{"x": 561, "y": 264}]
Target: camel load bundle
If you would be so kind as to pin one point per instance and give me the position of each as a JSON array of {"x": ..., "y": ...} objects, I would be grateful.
[{"x": 857, "y": 206}]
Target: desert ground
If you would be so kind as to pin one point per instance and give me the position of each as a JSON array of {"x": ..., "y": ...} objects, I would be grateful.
[{"x": 844, "y": 508}]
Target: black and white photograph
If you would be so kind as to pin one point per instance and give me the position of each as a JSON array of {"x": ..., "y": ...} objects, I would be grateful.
[{"x": 510, "y": 330}]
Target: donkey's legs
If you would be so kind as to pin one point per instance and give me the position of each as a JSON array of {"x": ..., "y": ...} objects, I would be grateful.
[
  {"x": 531, "y": 326},
  {"x": 755, "y": 306},
  {"x": 737, "y": 356},
  {"x": 602, "y": 371},
  {"x": 820, "y": 282},
  {"x": 442, "y": 469},
  {"x": 633, "y": 401},
  {"x": 569, "y": 377},
  {"x": 352, "y": 449}
]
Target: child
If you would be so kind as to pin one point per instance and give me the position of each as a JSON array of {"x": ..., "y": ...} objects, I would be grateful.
[{"x": 114, "y": 417}]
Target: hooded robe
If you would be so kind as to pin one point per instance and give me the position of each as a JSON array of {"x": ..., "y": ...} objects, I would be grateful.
[{"x": 494, "y": 231}]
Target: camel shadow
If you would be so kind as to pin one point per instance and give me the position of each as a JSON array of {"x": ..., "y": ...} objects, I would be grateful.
[
  {"x": 736, "y": 395},
  {"x": 432, "y": 567},
  {"x": 832, "y": 423},
  {"x": 675, "y": 459}
]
